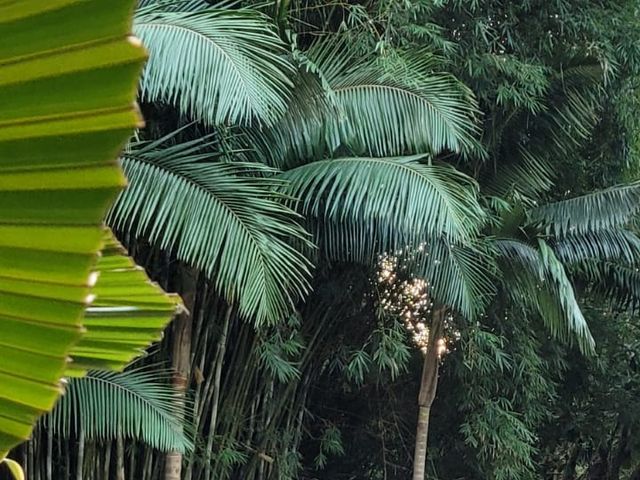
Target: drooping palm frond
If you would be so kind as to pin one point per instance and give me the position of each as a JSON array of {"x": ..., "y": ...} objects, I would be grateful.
[
  {"x": 613, "y": 245},
  {"x": 564, "y": 290},
  {"x": 379, "y": 106},
  {"x": 528, "y": 174},
  {"x": 219, "y": 219},
  {"x": 397, "y": 200},
  {"x": 404, "y": 107},
  {"x": 224, "y": 66},
  {"x": 131, "y": 404},
  {"x": 606, "y": 209},
  {"x": 303, "y": 132},
  {"x": 362, "y": 207},
  {"x": 534, "y": 277},
  {"x": 615, "y": 281}
]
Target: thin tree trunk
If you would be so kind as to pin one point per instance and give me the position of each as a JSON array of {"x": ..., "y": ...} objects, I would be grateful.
[
  {"x": 80, "y": 460},
  {"x": 49, "y": 453},
  {"x": 66, "y": 446},
  {"x": 120, "y": 458},
  {"x": 428, "y": 386},
  {"x": 107, "y": 461},
  {"x": 181, "y": 358},
  {"x": 217, "y": 376}
]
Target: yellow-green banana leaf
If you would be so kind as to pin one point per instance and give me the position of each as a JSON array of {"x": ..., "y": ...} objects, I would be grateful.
[{"x": 68, "y": 75}]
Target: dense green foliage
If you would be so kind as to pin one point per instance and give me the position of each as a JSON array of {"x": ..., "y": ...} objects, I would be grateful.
[{"x": 328, "y": 174}]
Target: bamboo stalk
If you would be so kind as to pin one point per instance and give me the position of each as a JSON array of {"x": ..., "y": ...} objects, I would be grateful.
[
  {"x": 120, "y": 473},
  {"x": 80, "y": 458},
  {"x": 107, "y": 461}
]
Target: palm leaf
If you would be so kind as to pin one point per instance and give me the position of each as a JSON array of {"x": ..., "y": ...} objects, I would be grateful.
[
  {"x": 577, "y": 325},
  {"x": 67, "y": 106},
  {"x": 528, "y": 174},
  {"x": 394, "y": 200},
  {"x": 603, "y": 210},
  {"x": 613, "y": 245},
  {"x": 396, "y": 105},
  {"x": 616, "y": 281},
  {"x": 534, "y": 277},
  {"x": 305, "y": 132},
  {"x": 131, "y": 404},
  {"x": 403, "y": 109},
  {"x": 218, "y": 65},
  {"x": 460, "y": 276},
  {"x": 67, "y": 84},
  {"x": 126, "y": 315},
  {"x": 363, "y": 207},
  {"x": 218, "y": 219}
]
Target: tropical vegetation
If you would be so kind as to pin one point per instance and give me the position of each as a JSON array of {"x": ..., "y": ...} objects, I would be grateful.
[{"x": 404, "y": 234}]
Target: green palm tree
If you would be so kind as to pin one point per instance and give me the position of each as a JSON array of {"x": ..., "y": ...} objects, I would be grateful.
[{"x": 355, "y": 206}]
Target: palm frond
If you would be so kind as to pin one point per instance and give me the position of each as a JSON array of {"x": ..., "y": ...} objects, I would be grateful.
[
  {"x": 224, "y": 66},
  {"x": 382, "y": 204},
  {"x": 614, "y": 245},
  {"x": 389, "y": 106},
  {"x": 219, "y": 219},
  {"x": 528, "y": 174},
  {"x": 132, "y": 404},
  {"x": 615, "y": 281},
  {"x": 536, "y": 278},
  {"x": 577, "y": 325},
  {"x": 302, "y": 134},
  {"x": 128, "y": 313},
  {"x": 603, "y": 210},
  {"x": 363, "y": 207},
  {"x": 404, "y": 108},
  {"x": 182, "y": 5}
]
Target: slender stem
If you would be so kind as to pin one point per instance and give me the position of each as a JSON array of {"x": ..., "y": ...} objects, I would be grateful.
[
  {"x": 107, "y": 461},
  {"x": 428, "y": 386},
  {"x": 181, "y": 358},
  {"x": 120, "y": 459},
  {"x": 80, "y": 460}
]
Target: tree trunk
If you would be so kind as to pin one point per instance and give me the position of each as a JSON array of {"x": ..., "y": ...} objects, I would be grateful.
[
  {"x": 217, "y": 376},
  {"x": 49, "y": 453},
  {"x": 428, "y": 386},
  {"x": 181, "y": 358},
  {"x": 120, "y": 458},
  {"x": 80, "y": 459},
  {"x": 107, "y": 461}
]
